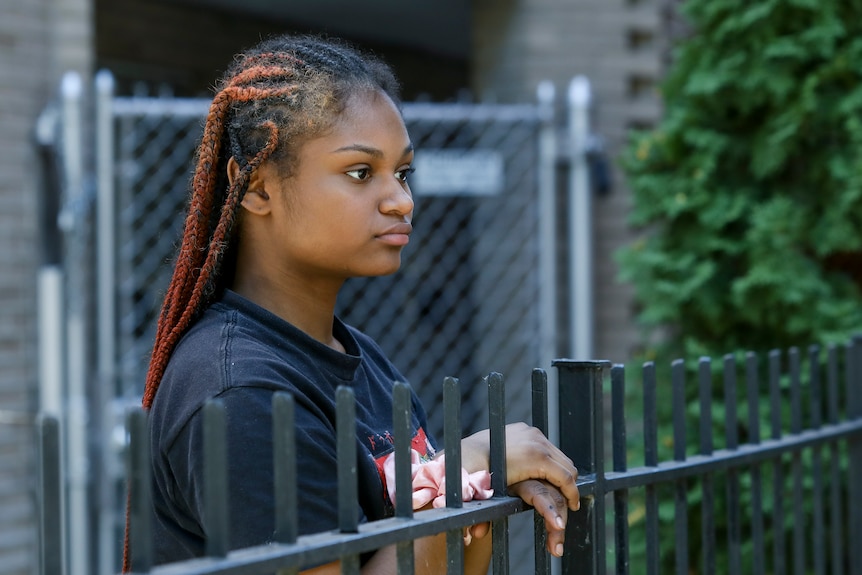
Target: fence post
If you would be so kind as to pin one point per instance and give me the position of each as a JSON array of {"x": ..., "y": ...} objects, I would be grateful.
[
  {"x": 581, "y": 439},
  {"x": 497, "y": 426},
  {"x": 402, "y": 423},
  {"x": 580, "y": 219},
  {"x": 51, "y": 505},
  {"x": 285, "y": 472},
  {"x": 140, "y": 491},
  {"x": 542, "y": 559},
  {"x": 72, "y": 222},
  {"x": 854, "y": 386},
  {"x": 216, "y": 517},
  {"x": 105, "y": 314},
  {"x": 547, "y": 183},
  {"x": 452, "y": 447}
]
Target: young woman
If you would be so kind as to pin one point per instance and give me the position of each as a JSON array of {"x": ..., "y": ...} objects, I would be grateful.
[{"x": 301, "y": 182}]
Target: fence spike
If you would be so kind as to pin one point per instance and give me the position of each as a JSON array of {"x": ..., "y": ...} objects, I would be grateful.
[
  {"x": 50, "y": 508},
  {"x": 402, "y": 423},
  {"x": 542, "y": 559},
  {"x": 215, "y": 514},
  {"x": 752, "y": 382},
  {"x": 284, "y": 468},
  {"x": 345, "y": 427},
  {"x": 621, "y": 506},
  {"x": 140, "y": 505},
  {"x": 499, "y": 481},
  {"x": 452, "y": 439},
  {"x": 452, "y": 446},
  {"x": 403, "y": 429}
]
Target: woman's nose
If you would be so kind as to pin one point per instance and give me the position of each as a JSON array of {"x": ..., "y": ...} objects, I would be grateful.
[{"x": 398, "y": 199}]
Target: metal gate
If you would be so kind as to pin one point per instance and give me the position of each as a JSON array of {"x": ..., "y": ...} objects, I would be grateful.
[{"x": 475, "y": 255}]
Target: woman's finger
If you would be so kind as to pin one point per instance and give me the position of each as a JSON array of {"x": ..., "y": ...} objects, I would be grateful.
[
  {"x": 549, "y": 502},
  {"x": 477, "y": 531},
  {"x": 564, "y": 478},
  {"x": 529, "y": 455}
]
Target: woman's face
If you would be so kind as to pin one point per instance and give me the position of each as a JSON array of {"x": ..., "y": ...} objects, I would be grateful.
[{"x": 346, "y": 210}]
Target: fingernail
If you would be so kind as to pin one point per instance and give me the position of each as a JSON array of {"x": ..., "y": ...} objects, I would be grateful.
[
  {"x": 558, "y": 550},
  {"x": 578, "y": 505},
  {"x": 560, "y": 522}
]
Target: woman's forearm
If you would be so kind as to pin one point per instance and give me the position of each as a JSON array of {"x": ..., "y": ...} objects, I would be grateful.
[{"x": 429, "y": 554}]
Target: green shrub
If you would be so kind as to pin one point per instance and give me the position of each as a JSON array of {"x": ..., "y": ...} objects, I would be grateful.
[
  {"x": 750, "y": 190},
  {"x": 749, "y": 197}
]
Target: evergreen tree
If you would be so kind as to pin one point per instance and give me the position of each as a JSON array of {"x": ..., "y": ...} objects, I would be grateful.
[{"x": 750, "y": 190}]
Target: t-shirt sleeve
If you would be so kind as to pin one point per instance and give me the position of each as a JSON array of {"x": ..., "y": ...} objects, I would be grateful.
[{"x": 250, "y": 467}]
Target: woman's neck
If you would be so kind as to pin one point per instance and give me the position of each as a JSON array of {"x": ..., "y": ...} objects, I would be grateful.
[{"x": 310, "y": 308}]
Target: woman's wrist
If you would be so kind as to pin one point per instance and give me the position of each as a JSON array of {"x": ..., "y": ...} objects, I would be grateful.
[{"x": 475, "y": 452}]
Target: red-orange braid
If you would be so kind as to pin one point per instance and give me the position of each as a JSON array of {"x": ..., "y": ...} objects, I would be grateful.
[
  {"x": 170, "y": 328},
  {"x": 196, "y": 260}
]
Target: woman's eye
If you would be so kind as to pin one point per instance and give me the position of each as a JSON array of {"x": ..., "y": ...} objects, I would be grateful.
[
  {"x": 361, "y": 174},
  {"x": 402, "y": 174}
]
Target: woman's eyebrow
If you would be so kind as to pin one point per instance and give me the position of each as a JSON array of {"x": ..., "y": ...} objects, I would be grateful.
[{"x": 373, "y": 152}]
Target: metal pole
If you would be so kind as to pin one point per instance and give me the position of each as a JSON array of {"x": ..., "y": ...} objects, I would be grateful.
[
  {"x": 51, "y": 366},
  {"x": 548, "y": 149},
  {"x": 76, "y": 349},
  {"x": 52, "y": 360},
  {"x": 50, "y": 293},
  {"x": 49, "y": 290},
  {"x": 548, "y": 248},
  {"x": 106, "y": 332},
  {"x": 580, "y": 221}
]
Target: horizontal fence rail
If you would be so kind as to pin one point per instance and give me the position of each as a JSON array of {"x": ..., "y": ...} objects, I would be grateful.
[{"x": 746, "y": 468}]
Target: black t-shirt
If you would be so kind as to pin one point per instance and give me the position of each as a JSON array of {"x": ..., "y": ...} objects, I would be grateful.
[{"x": 242, "y": 354}]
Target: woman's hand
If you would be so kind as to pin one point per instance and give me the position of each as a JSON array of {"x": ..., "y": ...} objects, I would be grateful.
[
  {"x": 549, "y": 502},
  {"x": 536, "y": 471},
  {"x": 529, "y": 455}
]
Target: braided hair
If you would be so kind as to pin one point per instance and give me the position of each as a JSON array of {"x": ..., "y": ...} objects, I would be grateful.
[{"x": 272, "y": 99}]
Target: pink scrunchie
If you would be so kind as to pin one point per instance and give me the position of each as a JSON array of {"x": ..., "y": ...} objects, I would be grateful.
[{"x": 429, "y": 481}]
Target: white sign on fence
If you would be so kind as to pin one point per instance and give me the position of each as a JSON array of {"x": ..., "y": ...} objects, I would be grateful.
[{"x": 457, "y": 173}]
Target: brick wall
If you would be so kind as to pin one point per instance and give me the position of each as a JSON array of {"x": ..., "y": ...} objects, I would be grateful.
[
  {"x": 618, "y": 45},
  {"x": 20, "y": 31},
  {"x": 38, "y": 39}
]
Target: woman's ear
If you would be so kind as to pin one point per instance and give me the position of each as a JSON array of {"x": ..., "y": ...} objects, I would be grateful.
[
  {"x": 232, "y": 170},
  {"x": 255, "y": 200}
]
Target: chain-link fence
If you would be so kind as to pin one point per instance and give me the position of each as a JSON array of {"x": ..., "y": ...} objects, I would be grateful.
[{"x": 472, "y": 261}]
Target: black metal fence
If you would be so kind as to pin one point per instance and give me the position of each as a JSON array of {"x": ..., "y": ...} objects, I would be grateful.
[{"x": 803, "y": 429}]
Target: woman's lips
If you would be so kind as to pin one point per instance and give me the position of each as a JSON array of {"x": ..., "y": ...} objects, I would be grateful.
[{"x": 397, "y": 235}]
